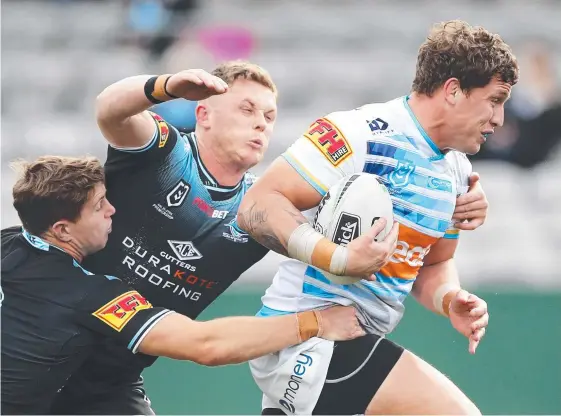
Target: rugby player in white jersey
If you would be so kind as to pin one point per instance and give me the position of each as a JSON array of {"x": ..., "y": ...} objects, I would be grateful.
[{"x": 417, "y": 145}]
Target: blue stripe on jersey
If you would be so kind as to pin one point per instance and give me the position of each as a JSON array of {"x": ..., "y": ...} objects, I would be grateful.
[
  {"x": 309, "y": 289},
  {"x": 421, "y": 219},
  {"x": 141, "y": 148},
  {"x": 307, "y": 177},
  {"x": 379, "y": 290},
  {"x": 266, "y": 311},
  {"x": 377, "y": 168},
  {"x": 381, "y": 149},
  {"x": 451, "y": 236},
  {"x": 156, "y": 318},
  {"x": 426, "y": 201}
]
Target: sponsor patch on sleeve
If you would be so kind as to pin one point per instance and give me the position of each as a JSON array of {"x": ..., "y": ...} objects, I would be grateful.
[
  {"x": 329, "y": 140},
  {"x": 119, "y": 311},
  {"x": 163, "y": 130}
]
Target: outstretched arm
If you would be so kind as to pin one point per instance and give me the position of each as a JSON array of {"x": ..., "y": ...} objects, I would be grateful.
[
  {"x": 121, "y": 109},
  {"x": 238, "y": 339}
]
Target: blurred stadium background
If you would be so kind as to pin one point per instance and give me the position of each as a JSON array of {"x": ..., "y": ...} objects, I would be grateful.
[{"x": 324, "y": 55}]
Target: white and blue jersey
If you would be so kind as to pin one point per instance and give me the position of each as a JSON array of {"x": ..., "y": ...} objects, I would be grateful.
[{"x": 386, "y": 140}]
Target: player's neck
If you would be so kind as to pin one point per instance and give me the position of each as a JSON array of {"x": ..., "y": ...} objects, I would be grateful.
[
  {"x": 430, "y": 117},
  {"x": 68, "y": 247},
  {"x": 219, "y": 164}
]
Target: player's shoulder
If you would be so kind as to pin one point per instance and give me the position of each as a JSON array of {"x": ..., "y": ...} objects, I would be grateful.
[
  {"x": 370, "y": 120},
  {"x": 459, "y": 162},
  {"x": 461, "y": 168}
]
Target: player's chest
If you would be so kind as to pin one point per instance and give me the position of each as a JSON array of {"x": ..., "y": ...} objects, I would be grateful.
[{"x": 422, "y": 190}]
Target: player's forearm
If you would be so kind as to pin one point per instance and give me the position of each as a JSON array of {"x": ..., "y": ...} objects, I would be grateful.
[
  {"x": 270, "y": 219},
  {"x": 238, "y": 339},
  {"x": 436, "y": 284},
  {"x": 122, "y": 100},
  {"x": 227, "y": 340}
]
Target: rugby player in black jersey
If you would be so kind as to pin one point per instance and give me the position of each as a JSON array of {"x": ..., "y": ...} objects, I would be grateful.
[{"x": 55, "y": 313}]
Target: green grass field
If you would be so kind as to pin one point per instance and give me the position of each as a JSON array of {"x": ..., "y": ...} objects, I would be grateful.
[{"x": 517, "y": 368}]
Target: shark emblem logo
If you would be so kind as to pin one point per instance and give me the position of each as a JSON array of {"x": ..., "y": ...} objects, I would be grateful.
[{"x": 234, "y": 233}]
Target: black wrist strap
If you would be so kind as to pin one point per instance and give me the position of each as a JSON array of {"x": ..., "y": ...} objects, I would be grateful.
[{"x": 149, "y": 89}]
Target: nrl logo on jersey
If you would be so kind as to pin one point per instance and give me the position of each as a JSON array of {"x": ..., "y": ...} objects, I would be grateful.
[
  {"x": 234, "y": 233},
  {"x": 178, "y": 194},
  {"x": 185, "y": 250},
  {"x": 401, "y": 175}
]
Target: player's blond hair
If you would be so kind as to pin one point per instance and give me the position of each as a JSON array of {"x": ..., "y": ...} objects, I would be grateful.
[
  {"x": 233, "y": 70},
  {"x": 53, "y": 188},
  {"x": 473, "y": 55}
]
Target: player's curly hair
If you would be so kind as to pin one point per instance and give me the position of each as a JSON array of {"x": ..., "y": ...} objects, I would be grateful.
[
  {"x": 233, "y": 70},
  {"x": 473, "y": 55},
  {"x": 53, "y": 188}
]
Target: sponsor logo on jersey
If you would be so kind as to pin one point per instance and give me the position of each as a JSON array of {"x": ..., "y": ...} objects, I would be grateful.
[
  {"x": 208, "y": 210},
  {"x": 377, "y": 125},
  {"x": 440, "y": 184},
  {"x": 348, "y": 228},
  {"x": 119, "y": 311},
  {"x": 165, "y": 270},
  {"x": 185, "y": 250},
  {"x": 303, "y": 363},
  {"x": 163, "y": 130},
  {"x": 177, "y": 195},
  {"x": 329, "y": 140},
  {"x": 401, "y": 175},
  {"x": 234, "y": 233}
]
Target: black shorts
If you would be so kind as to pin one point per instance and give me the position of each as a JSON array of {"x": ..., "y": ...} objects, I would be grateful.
[
  {"x": 356, "y": 371},
  {"x": 122, "y": 400}
]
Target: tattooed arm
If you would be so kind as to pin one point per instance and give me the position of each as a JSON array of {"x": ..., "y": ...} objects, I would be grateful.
[{"x": 270, "y": 211}]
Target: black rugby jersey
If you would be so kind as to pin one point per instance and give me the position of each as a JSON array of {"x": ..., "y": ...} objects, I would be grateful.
[
  {"x": 175, "y": 236},
  {"x": 54, "y": 315}
]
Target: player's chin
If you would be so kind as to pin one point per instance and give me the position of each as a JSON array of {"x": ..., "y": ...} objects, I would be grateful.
[
  {"x": 472, "y": 149},
  {"x": 252, "y": 157}
]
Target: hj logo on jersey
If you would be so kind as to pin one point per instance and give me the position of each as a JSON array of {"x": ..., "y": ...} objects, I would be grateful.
[
  {"x": 234, "y": 233},
  {"x": 401, "y": 175},
  {"x": 178, "y": 194}
]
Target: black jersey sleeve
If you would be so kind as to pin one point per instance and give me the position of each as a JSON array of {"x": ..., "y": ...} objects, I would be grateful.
[
  {"x": 155, "y": 151},
  {"x": 114, "y": 309}
]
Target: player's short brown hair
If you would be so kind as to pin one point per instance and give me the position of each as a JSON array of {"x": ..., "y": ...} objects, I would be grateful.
[
  {"x": 473, "y": 55},
  {"x": 233, "y": 70},
  {"x": 53, "y": 188}
]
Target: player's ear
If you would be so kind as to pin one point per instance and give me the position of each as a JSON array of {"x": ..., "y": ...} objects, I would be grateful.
[
  {"x": 452, "y": 90},
  {"x": 202, "y": 114},
  {"x": 61, "y": 231}
]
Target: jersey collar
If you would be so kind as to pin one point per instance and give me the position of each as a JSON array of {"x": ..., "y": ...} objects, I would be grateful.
[
  {"x": 437, "y": 154},
  {"x": 217, "y": 191}
]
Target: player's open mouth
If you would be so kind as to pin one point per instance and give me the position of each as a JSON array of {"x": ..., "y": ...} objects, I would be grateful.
[{"x": 485, "y": 135}]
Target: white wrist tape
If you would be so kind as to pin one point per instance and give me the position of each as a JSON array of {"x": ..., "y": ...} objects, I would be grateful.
[
  {"x": 305, "y": 239},
  {"x": 438, "y": 297},
  {"x": 302, "y": 243},
  {"x": 339, "y": 261}
]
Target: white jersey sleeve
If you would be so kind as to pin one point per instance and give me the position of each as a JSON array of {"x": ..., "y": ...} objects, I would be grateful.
[
  {"x": 329, "y": 150},
  {"x": 461, "y": 169}
]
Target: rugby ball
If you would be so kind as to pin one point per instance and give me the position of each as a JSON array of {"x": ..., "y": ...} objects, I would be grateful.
[{"x": 349, "y": 209}]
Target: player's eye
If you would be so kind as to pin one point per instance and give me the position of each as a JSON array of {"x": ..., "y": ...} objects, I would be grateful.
[{"x": 247, "y": 110}]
